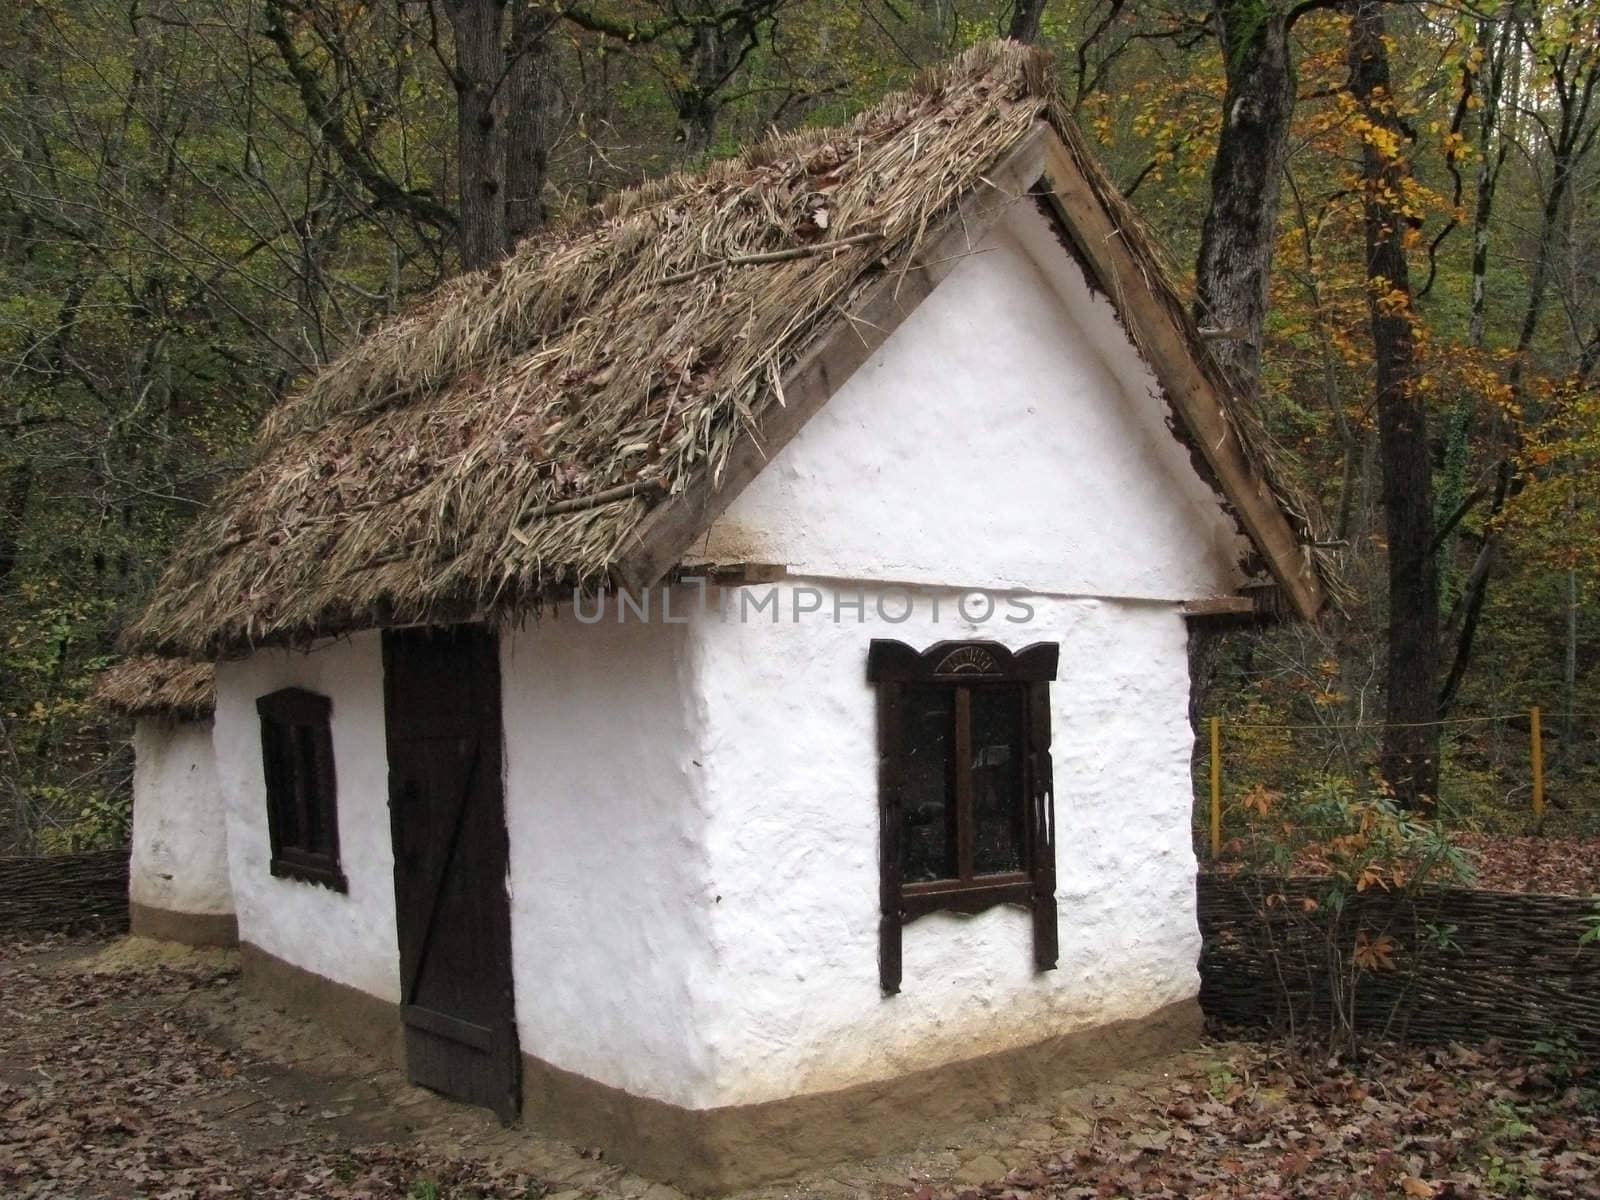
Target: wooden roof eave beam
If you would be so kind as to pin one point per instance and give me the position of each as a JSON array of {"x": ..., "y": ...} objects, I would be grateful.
[
  {"x": 668, "y": 532},
  {"x": 1193, "y": 395}
]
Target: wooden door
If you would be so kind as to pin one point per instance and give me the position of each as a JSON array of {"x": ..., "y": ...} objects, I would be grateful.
[{"x": 447, "y": 815}]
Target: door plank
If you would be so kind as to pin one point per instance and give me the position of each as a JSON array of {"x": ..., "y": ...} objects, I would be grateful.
[
  {"x": 479, "y": 1037},
  {"x": 434, "y": 887},
  {"x": 452, "y": 911}
]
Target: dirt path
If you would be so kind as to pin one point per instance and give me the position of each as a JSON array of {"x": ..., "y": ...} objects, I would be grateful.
[{"x": 127, "y": 1070}]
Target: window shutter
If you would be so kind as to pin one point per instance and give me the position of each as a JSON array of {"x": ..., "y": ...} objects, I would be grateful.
[
  {"x": 1041, "y": 784},
  {"x": 302, "y": 808},
  {"x": 890, "y": 763}
]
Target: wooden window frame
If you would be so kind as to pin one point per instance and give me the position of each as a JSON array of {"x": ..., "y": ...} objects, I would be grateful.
[
  {"x": 283, "y": 713},
  {"x": 962, "y": 665}
]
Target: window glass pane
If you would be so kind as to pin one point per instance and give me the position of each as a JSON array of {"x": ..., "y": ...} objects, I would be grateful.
[
  {"x": 997, "y": 800},
  {"x": 281, "y": 783},
  {"x": 927, "y": 798},
  {"x": 305, "y": 752}
]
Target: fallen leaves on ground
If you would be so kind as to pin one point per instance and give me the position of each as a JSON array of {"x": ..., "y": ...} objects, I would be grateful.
[
  {"x": 109, "y": 1088},
  {"x": 1556, "y": 866},
  {"x": 1265, "y": 1122}
]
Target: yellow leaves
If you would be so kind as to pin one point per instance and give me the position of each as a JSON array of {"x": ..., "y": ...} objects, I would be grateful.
[
  {"x": 1391, "y": 301},
  {"x": 1419, "y": 1188},
  {"x": 1454, "y": 145},
  {"x": 1382, "y": 138}
]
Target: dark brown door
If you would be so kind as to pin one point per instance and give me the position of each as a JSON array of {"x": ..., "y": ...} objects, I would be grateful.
[{"x": 447, "y": 813}]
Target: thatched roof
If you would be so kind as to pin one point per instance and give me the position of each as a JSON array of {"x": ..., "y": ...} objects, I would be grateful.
[
  {"x": 575, "y": 414},
  {"x": 158, "y": 687}
]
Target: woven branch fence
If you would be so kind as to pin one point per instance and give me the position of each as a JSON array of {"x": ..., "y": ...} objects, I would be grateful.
[
  {"x": 65, "y": 893},
  {"x": 1462, "y": 965}
]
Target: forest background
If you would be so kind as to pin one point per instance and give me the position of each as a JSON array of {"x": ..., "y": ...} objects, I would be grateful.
[{"x": 1389, "y": 214}]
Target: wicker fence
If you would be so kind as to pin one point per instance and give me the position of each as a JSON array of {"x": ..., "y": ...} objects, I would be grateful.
[
  {"x": 65, "y": 893},
  {"x": 1447, "y": 964}
]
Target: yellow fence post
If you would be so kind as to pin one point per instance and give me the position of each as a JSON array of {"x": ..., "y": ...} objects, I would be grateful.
[
  {"x": 1216, "y": 788},
  {"x": 1536, "y": 752}
]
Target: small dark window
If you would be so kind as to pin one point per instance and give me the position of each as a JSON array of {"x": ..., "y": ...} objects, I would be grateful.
[
  {"x": 967, "y": 816},
  {"x": 302, "y": 812}
]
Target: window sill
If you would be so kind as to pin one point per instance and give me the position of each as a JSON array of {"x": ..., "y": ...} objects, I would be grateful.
[
  {"x": 326, "y": 875},
  {"x": 954, "y": 895}
]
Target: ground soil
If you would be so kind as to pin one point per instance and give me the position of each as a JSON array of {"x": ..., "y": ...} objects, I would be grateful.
[{"x": 129, "y": 1069}]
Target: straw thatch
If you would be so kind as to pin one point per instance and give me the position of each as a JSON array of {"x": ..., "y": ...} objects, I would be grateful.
[
  {"x": 507, "y": 438},
  {"x": 158, "y": 687}
]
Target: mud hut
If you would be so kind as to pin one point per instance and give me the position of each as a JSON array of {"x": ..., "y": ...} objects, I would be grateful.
[{"x": 716, "y": 681}]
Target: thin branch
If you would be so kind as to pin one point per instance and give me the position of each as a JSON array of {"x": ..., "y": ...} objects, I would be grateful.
[{"x": 769, "y": 256}]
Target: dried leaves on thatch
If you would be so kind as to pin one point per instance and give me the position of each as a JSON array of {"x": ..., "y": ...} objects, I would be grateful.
[
  {"x": 165, "y": 687},
  {"x": 505, "y": 438}
]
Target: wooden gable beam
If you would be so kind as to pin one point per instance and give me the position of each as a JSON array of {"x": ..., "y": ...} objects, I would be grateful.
[
  {"x": 669, "y": 530},
  {"x": 1166, "y": 347}
]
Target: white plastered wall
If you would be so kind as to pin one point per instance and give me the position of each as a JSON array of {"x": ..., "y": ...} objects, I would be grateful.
[
  {"x": 791, "y": 762},
  {"x": 693, "y": 817},
  {"x": 610, "y": 893},
  {"x": 179, "y": 858},
  {"x": 347, "y": 937}
]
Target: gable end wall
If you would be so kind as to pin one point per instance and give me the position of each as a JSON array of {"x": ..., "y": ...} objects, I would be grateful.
[{"x": 1007, "y": 436}]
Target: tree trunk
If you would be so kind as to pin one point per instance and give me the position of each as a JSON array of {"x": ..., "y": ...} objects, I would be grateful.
[
  {"x": 530, "y": 98},
  {"x": 480, "y": 134},
  {"x": 1025, "y": 18},
  {"x": 1236, "y": 241},
  {"x": 705, "y": 60},
  {"x": 1495, "y": 45},
  {"x": 1411, "y": 740}
]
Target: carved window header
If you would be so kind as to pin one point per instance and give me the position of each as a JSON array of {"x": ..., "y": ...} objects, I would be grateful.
[{"x": 890, "y": 661}]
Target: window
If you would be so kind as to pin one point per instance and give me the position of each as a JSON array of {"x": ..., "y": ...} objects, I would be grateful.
[
  {"x": 302, "y": 816},
  {"x": 966, "y": 811}
]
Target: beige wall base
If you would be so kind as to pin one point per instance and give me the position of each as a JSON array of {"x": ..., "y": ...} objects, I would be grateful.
[
  {"x": 363, "y": 1020},
  {"x": 712, "y": 1151},
  {"x": 190, "y": 929}
]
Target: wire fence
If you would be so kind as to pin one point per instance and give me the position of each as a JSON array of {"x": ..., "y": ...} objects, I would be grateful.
[{"x": 1516, "y": 772}]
